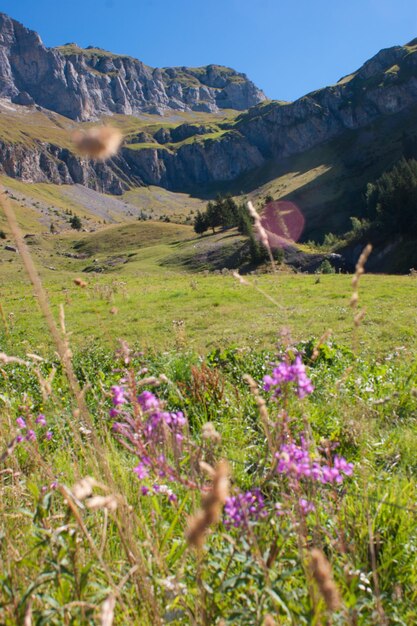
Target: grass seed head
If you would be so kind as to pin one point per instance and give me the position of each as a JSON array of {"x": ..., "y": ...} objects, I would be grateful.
[
  {"x": 107, "y": 611},
  {"x": 100, "y": 142},
  {"x": 211, "y": 506},
  {"x": 322, "y": 573}
]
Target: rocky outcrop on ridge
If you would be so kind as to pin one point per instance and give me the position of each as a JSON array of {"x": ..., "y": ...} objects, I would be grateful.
[{"x": 84, "y": 84}]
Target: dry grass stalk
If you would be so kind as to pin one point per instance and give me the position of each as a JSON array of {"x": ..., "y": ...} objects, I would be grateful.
[
  {"x": 263, "y": 411},
  {"x": 4, "y": 358},
  {"x": 107, "y": 611},
  {"x": 45, "y": 383},
  {"x": 211, "y": 506},
  {"x": 83, "y": 488},
  {"x": 100, "y": 142},
  {"x": 243, "y": 281},
  {"x": 9, "y": 450},
  {"x": 360, "y": 269},
  {"x": 269, "y": 621},
  {"x": 262, "y": 234},
  {"x": 3, "y": 317},
  {"x": 102, "y": 502},
  {"x": 80, "y": 282},
  {"x": 322, "y": 574},
  {"x": 209, "y": 433},
  {"x": 325, "y": 336},
  {"x": 28, "y": 614}
]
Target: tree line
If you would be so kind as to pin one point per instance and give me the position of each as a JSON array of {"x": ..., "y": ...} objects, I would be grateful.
[
  {"x": 392, "y": 199},
  {"x": 223, "y": 213}
]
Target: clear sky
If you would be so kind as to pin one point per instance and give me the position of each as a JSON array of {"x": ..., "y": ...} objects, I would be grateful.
[{"x": 287, "y": 47}]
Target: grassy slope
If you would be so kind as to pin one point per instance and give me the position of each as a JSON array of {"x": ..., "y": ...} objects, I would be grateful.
[
  {"x": 159, "y": 202},
  {"x": 27, "y": 126},
  {"x": 20, "y": 124},
  {"x": 328, "y": 182},
  {"x": 48, "y": 202},
  {"x": 150, "y": 294}
]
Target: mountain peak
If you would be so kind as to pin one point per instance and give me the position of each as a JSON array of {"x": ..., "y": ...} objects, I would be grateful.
[{"x": 85, "y": 83}]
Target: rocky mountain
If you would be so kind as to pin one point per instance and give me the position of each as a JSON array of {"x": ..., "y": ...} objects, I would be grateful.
[
  {"x": 84, "y": 84},
  {"x": 332, "y": 141}
]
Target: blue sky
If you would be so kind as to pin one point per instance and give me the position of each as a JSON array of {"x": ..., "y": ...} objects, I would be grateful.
[{"x": 287, "y": 48}]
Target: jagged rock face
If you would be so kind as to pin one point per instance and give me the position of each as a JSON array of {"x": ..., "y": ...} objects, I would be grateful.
[
  {"x": 195, "y": 163},
  {"x": 384, "y": 85},
  {"x": 84, "y": 84},
  {"x": 183, "y": 169},
  {"x": 48, "y": 163}
]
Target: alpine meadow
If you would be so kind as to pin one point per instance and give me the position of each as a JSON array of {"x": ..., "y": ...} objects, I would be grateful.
[{"x": 208, "y": 342}]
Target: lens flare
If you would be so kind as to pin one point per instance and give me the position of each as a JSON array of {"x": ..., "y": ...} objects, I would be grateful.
[{"x": 283, "y": 223}]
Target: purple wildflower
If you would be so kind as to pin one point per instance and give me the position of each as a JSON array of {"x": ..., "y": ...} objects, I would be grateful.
[
  {"x": 285, "y": 373},
  {"x": 244, "y": 507},
  {"x": 20, "y": 422},
  {"x": 31, "y": 435},
  {"x": 296, "y": 461},
  {"x": 336, "y": 473},
  {"x": 176, "y": 420},
  {"x": 119, "y": 396},
  {"x": 343, "y": 466},
  {"x": 41, "y": 420},
  {"x": 141, "y": 471},
  {"x": 48, "y": 435},
  {"x": 148, "y": 401},
  {"x": 306, "y": 506}
]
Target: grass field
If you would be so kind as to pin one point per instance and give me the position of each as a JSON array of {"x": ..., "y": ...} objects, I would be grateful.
[
  {"x": 159, "y": 537},
  {"x": 151, "y": 289}
]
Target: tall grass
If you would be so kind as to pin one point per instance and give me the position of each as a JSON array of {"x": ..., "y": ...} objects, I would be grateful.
[{"x": 235, "y": 488}]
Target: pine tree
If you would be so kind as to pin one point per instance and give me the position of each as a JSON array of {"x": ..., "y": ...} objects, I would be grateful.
[
  {"x": 200, "y": 223},
  {"x": 392, "y": 199},
  {"x": 75, "y": 222}
]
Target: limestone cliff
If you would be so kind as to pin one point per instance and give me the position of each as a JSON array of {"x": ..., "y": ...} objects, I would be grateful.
[{"x": 84, "y": 84}]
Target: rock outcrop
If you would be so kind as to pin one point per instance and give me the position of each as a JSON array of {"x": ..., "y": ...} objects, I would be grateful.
[
  {"x": 84, "y": 84},
  {"x": 384, "y": 85},
  {"x": 49, "y": 163}
]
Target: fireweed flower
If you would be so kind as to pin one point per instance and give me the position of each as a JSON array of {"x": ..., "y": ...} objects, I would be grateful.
[
  {"x": 306, "y": 506},
  {"x": 119, "y": 396},
  {"x": 31, "y": 435},
  {"x": 147, "y": 428},
  {"x": 141, "y": 471},
  {"x": 243, "y": 508},
  {"x": 295, "y": 460},
  {"x": 336, "y": 473},
  {"x": 20, "y": 422},
  {"x": 41, "y": 420},
  {"x": 285, "y": 373},
  {"x": 148, "y": 401}
]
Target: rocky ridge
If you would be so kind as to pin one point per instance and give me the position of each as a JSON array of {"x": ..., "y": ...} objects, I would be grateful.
[
  {"x": 184, "y": 156},
  {"x": 84, "y": 84}
]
